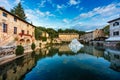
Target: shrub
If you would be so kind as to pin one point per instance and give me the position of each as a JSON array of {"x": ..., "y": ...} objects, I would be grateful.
[
  {"x": 44, "y": 39},
  {"x": 19, "y": 50},
  {"x": 33, "y": 46}
]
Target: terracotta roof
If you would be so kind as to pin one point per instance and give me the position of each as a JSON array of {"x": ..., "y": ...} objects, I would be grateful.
[
  {"x": 15, "y": 16},
  {"x": 114, "y": 20}
]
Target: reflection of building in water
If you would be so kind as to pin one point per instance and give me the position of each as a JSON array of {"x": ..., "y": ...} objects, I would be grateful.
[
  {"x": 64, "y": 48},
  {"x": 17, "y": 68},
  {"x": 114, "y": 58},
  {"x": 93, "y": 51}
]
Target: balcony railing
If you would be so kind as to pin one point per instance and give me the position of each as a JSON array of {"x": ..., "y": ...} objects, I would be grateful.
[{"x": 21, "y": 34}]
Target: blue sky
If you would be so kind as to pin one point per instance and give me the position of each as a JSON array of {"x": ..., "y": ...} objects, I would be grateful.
[{"x": 83, "y": 15}]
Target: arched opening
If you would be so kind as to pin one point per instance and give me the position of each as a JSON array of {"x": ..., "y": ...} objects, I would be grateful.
[
  {"x": 28, "y": 41},
  {"x": 22, "y": 41}
]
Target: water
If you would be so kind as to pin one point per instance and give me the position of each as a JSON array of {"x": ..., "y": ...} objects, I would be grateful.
[{"x": 60, "y": 63}]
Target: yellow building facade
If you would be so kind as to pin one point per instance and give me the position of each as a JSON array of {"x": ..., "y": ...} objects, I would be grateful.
[
  {"x": 14, "y": 30},
  {"x": 67, "y": 37}
]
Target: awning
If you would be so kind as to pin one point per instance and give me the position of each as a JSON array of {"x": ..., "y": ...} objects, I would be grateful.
[{"x": 113, "y": 39}]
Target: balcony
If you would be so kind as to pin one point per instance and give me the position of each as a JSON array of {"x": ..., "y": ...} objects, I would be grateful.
[{"x": 21, "y": 34}]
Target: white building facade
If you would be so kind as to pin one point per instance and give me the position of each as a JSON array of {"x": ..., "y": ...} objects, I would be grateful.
[{"x": 114, "y": 30}]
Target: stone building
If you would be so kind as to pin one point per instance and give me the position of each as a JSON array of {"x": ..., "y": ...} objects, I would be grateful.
[
  {"x": 114, "y": 37},
  {"x": 98, "y": 33},
  {"x": 87, "y": 37},
  {"x": 45, "y": 34},
  {"x": 14, "y": 30},
  {"x": 67, "y": 37},
  {"x": 93, "y": 35}
]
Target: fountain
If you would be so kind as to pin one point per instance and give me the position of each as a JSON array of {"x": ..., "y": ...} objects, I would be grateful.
[{"x": 75, "y": 45}]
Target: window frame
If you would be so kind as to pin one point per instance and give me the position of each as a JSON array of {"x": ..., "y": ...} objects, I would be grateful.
[
  {"x": 15, "y": 30},
  {"x": 4, "y": 26},
  {"x": 4, "y": 14},
  {"x": 116, "y": 33},
  {"x": 15, "y": 19}
]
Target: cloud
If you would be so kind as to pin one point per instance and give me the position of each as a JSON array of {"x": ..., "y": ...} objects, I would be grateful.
[
  {"x": 97, "y": 17},
  {"x": 38, "y": 17},
  {"x": 60, "y": 8},
  {"x": 42, "y": 3},
  {"x": 65, "y": 21},
  {"x": 6, "y": 4},
  {"x": 38, "y": 13},
  {"x": 86, "y": 26},
  {"x": 104, "y": 11},
  {"x": 74, "y": 2}
]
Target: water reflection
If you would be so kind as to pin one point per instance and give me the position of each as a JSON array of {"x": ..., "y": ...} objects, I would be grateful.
[
  {"x": 60, "y": 60},
  {"x": 17, "y": 68},
  {"x": 114, "y": 57},
  {"x": 90, "y": 63}
]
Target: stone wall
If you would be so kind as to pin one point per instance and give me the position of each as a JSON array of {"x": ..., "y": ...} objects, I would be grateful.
[{"x": 9, "y": 36}]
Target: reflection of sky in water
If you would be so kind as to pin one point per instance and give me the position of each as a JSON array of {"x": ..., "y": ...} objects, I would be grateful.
[{"x": 78, "y": 67}]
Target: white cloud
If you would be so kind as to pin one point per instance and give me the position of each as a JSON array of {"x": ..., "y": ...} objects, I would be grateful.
[
  {"x": 105, "y": 11},
  {"x": 38, "y": 17},
  {"x": 39, "y": 13},
  {"x": 42, "y": 3},
  {"x": 59, "y": 7},
  {"x": 6, "y": 4},
  {"x": 65, "y": 21},
  {"x": 74, "y": 2},
  {"x": 97, "y": 17}
]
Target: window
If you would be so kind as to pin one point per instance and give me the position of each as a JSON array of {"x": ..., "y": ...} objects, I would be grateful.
[
  {"x": 27, "y": 32},
  {"x": 22, "y": 31},
  {"x": 15, "y": 19},
  {"x": 4, "y": 14},
  {"x": 4, "y": 27},
  {"x": 116, "y": 33},
  {"x": 116, "y": 24},
  {"x": 15, "y": 30}
]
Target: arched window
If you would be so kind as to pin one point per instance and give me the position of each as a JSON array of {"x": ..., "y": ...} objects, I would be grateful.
[{"x": 116, "y": 24}]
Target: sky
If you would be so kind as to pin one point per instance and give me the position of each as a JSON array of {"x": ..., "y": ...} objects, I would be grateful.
[{"x": 83, "y": 15}]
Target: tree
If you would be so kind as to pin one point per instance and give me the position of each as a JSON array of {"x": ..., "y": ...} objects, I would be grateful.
[
  {"x": 19, "y": 11},
  {"x": 106, "y": 30},
  {"x": 52, "y": 33},
  {"x": 71, "y": 31},
  {"x": 19, "y": 50},
  {"x": 38, "y": 33},
  {"x": 33, "y": 46}
]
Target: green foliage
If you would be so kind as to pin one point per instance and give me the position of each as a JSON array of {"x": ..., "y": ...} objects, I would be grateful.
[
  {"x": 33, "y": 46},
  {"x": 71, "y": 31},
  {"x": 19, "y": 50},
  {"x": 38, "y": 33},
  {"x": 19, "y": 11},
  {"x": 52, "y": 33},
  {"x": 44, "y": 39},
  {"x": 106, "y": 30}
]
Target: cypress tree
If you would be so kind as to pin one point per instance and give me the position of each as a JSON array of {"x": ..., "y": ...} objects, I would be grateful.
[{"x": 19, "y": 11}]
